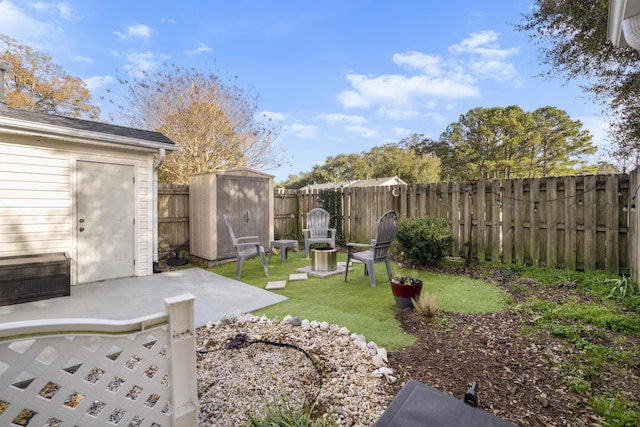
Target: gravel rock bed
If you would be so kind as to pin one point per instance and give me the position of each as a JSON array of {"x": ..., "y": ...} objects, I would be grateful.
[{"x": 347, "y": 375}]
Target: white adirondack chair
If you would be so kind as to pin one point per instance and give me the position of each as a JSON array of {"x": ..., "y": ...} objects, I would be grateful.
[{"x": 318, "y": 230}]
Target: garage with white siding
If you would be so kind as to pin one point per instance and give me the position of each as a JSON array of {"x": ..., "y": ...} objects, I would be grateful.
[{"x": 83, "y": 188}]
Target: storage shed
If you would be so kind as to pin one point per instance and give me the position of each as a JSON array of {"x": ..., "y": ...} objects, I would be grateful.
[
  {"x": 244, "y": 195},
  {"x": 81, "y": 190}
]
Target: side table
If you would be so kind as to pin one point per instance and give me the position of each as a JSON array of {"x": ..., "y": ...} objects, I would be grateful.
[{"x": 283, "y": 245}]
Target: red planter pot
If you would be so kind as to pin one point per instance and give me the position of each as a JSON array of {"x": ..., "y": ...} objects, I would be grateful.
[{"x": 403, "y": 293}]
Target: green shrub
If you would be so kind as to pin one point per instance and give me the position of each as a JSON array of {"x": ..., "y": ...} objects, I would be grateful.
[{"x": 424, "y": 239}]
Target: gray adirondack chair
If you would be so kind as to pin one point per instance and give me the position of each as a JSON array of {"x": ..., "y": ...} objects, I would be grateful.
[
  {"x": 318, "y": 230},
  {"x": 246, "y": 247},
  {"x": 379, "y": 250}
]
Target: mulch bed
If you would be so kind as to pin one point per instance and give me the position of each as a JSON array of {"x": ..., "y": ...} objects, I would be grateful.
[{"x": 518, "y": 379}]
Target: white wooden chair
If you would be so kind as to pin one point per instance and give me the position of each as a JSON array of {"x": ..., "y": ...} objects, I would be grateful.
[
  {"x": 318, "y": 230},
  {"x": 246, "y": 247},
  {"x": 379, "y": 250}
]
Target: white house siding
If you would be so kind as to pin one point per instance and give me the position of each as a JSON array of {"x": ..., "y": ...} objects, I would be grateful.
[
  {"x": 37, "y": 186},
  {"x": 35, "y": 201},
  {"x": 145, "y": 215}
]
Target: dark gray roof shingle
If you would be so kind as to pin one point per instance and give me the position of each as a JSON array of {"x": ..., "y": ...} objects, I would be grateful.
[{"x": 86, "y": 125}]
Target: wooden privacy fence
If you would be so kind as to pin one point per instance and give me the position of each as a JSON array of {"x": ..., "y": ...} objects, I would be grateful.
[
  {"x": 286, "y": 214},
  {"x": 577, "y": 222},
  {"x": 173, "y": 215},
  {"x": 634, "y": 225},
  {"x": 567, "y": 222}
]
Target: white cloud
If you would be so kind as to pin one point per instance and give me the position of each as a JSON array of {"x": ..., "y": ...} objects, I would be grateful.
[
  {"x": 436, "y": 117},
  {"x": 96, "y": 82},
  {"x": 302, "y": 131},
  {"x": 84, "y": 59},
  {"x": 428, "y": 64},
  {"x": 402, "y": 90},
  {"x": 342, "y": 119},
  {"x": 271, "y": 115},
  {"x": 484, "y": 43},
  {"x": 361, "y": 130},
  {"x": 202, "y": 48},
  {"x": 488, "y": 60},
  {"x": 139, "y": 62},
  {"x": 400, "y": 132},
  {"x": 397, "y": 113},
  {"x": 65, "y": 10},
  {"x": 40, "y": 6},
  {"x": 429, "y": 77},
  {"x": 496, "y": 70},
  {"x": 17, "y": 24},
  {"x": 352, "y": 98},
  {"x": 61, "y": 9},
  {"x": 134, "y": 31}
]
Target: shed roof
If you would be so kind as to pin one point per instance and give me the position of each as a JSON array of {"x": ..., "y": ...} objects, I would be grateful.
[
  {"x": 30, "y": 122},
  {"x": 379, "y": 182},
  {"x": 235, "y": 171},
  {"x": 327, "y": 185},
  {"x": 373, "y": 182}
]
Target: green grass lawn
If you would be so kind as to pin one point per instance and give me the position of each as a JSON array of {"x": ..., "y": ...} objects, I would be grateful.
[{"x": 355, "y": 304}]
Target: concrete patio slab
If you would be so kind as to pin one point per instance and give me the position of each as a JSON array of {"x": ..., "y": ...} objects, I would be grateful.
[{"x": 131, "y": 297}]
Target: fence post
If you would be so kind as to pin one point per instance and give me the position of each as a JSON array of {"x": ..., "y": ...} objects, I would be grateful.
[
  {"x": 182, "y": 351},
  {"x": 634, "y": 225}
]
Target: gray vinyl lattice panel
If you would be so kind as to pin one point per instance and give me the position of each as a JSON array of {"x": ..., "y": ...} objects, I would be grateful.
[{"x": 86, "y": 380}]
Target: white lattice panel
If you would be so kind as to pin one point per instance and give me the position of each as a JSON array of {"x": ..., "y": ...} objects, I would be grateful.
[{"x": 85, "y": 379}]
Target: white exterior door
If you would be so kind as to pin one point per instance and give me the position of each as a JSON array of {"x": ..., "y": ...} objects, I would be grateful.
[{"x": 105, "y": 219}]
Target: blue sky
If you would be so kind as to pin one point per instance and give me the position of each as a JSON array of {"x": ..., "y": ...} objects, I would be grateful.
[{"x": 341, "y": 76}]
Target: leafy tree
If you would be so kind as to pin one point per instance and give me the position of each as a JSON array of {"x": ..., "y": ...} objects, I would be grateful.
[
  {"x": 404, "y": 159},
  {"x": 560, "y": 142},
  {"x": 572, "y": 36},
  {"x": 441, "y": 149},
  {"x": 297, "y": 181},
  {"x": 213, "y": 123},
  {"x": 343, "y": 167},
  {"x": 503, "y": 143},
  {"x": 404, "y": 162},
  {"x": 606, "y": 168},
  {"x": 35, "y": 83},
  {"x": 484, "y": 144}
]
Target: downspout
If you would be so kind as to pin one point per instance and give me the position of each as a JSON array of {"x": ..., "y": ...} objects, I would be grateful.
[
  {"x": 4, "y": 66},
  {"x": 156, "y": 166}
]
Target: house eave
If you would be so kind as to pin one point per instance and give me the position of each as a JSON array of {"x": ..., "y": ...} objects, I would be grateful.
[
  {"x": 614, "y": 24},
  {"x": 27, "y": 128},
  {"x": 621, "y": 15}
]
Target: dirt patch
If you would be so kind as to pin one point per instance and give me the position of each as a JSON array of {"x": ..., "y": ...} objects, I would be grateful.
[{"x": 519, "y": 374}]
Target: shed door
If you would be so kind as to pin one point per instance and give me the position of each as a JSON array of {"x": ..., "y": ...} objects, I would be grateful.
[
  {"x": 245, "y": 200},
  {"x": 105, "y": 226}
]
